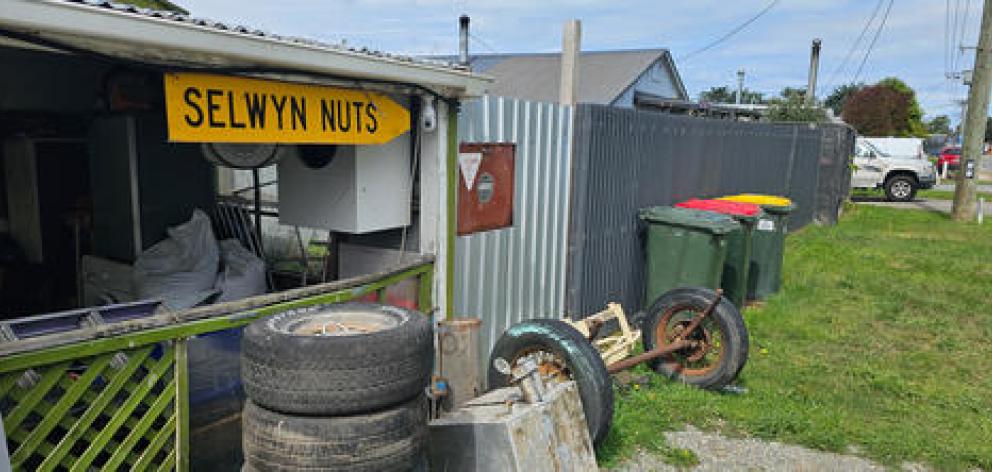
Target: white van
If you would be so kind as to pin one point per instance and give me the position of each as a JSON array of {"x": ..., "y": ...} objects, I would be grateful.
[{"x": 899, "y": 166}]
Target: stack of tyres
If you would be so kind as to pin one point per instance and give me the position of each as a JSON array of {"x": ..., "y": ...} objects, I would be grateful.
[{"x": 337, "y": 387}]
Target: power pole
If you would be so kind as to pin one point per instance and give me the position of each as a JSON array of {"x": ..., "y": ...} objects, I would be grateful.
[
  {"x": 974, "y": 126},
  {"x": 814, "y": 67},
  {"x": 740, "y": 85},
  {"x": 570, "y": 45}
]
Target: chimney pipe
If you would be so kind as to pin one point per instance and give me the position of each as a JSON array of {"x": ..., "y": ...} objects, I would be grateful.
[
  {"x": 740, "y": 85},
  {"x": 814, "y": 66},
  {"x": 463, "y": 40}
]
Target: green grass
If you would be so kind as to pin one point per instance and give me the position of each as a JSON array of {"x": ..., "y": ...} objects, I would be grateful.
[{"x": 880, "y": 341}]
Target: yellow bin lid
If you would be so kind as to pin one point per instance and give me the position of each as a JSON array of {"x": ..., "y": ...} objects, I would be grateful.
[{"x": 768, "y": 200}]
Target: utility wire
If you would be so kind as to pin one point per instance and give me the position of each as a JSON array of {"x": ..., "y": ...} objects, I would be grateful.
[
  {"x": 871, "y": 45},
  {"x": 732, "y": 32},
  {"x": 857, "y": 41},
  {"x": 947, "y": 38},
  {"x": 964, "y": 31},
  {"x": 955, "y": 35},
  {"x": 482, "y": 42}
]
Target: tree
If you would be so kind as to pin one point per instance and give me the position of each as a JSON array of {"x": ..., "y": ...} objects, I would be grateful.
[
  {"x": 725, "y": 95},
  {"x": 916, "y": 127},
  {"x": 836, "y": 100},
  {"x": 717, "y": 95},
  {"x": 878, "y": 111},
  {"x": 940, "y": 124},
  {"x": 888, "y": 108},
  {"x": 792, "y": 107},
  {"x": 790, "y": 93},
  {"x": 988, "y": 129}
]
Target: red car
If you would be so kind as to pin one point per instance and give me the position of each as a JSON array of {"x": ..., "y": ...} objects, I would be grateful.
[{"x": 951, "y": 155}]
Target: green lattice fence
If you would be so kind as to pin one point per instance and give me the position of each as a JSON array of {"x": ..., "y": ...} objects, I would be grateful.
[
  {"x": 109, "y": 411},
  {"x": 122, "y": 402}
]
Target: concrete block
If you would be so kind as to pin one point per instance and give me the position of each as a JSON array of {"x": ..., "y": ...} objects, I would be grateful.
[{"x": 487, "y": 435}]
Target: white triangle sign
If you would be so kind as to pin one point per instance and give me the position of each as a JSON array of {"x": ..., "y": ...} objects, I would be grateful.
[{"x": 469, "y": 162}]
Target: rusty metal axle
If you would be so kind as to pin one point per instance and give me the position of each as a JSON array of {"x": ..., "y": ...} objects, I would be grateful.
[
  {"x": 677, "y": 344},
  {"x": 629, "y": 362}
]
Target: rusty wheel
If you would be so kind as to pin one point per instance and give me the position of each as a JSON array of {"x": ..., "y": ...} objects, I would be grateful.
[
  {"x": 707, "y": 347},
  {"x": 718, "y": 346}
]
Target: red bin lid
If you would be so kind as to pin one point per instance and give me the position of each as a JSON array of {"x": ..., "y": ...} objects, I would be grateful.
[{"x": 722, "y": 206}]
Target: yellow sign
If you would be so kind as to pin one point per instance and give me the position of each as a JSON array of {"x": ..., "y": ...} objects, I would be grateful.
[{"x": 225, "y": 109}]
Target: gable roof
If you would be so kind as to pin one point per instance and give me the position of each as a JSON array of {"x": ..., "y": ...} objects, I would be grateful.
[{"x": 603, "y": 75}]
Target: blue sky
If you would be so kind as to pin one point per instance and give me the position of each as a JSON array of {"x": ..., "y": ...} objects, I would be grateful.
[{"x": 774, "y": 50}]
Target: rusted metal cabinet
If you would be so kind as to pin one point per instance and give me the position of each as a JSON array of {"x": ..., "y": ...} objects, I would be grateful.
[{"x": 485, "y": 186}]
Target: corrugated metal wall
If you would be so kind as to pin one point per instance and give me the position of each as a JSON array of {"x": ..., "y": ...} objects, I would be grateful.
[
  {"x": 627, "y": 159},
  {"x": 509, "y": 275}
]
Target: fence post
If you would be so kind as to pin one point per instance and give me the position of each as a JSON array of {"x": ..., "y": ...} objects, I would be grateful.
[
  {"x": 424, "y": 301},
  {"x": 181, "y": 371}
]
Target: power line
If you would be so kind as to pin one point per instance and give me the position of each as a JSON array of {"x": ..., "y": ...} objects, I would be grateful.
[
  {"x": 731, "y": 32},
  {"x": 963, "y": 33},
  {"x": 955, "y": 35},
  {"x": 871, "y": 45},
  {"x": 854, "y": 46},
  {"x": 947, "y": 39},
  {"x": 484, "y": 43}
]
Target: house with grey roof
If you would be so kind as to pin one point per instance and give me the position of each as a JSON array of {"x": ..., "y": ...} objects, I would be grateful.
[{"x": 618, "y": 78}]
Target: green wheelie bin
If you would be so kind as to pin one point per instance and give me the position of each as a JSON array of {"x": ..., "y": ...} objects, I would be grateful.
[
  {"x": 738, "y": 263},
  {"x": 685, "y": 248},
  {"x": 768, "y": 244}
]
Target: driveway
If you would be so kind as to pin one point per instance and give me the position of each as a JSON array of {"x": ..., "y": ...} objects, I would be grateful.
[
  {"x": 937, "y": 206},
  {"x": 950, "y": 187}
]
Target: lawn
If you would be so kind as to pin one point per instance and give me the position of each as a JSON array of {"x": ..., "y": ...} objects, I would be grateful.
[{"x": 878, "y": 343}]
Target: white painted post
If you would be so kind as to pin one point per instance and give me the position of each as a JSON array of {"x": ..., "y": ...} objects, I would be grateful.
[
  {"x": 943, "y": 173},
  {"x": 981, "y": 210}
]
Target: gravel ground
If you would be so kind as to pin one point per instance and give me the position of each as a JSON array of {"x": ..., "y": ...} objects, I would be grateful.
[
  {"x": 950, "y": 187},
  {"x": 940, "y": 206},
  {"x": 719, "y": 453}
]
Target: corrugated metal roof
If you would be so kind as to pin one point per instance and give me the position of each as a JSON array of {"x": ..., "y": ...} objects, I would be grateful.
[
  {"x": 603, "y": 75},
  {"x": 254, "y": 32}
]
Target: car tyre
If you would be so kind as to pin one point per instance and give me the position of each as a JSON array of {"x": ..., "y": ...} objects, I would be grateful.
[
  {"x": 582, "y": 363},
  {"x": 393, "y": 439},
  {"x": 293, "y": 362},
  {"x": 901, "y": 188}
]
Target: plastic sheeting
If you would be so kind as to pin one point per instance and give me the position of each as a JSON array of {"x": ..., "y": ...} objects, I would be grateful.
[{"x": 180, "y": 270}]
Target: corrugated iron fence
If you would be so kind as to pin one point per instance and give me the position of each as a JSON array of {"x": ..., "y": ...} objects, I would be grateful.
[
  {"x": 518, "y": 273},
  {"x": 625, "y": 159}
]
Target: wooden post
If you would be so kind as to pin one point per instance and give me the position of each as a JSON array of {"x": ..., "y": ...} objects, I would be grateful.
[
  {"x": 974, "y": 125},
  {"x": 570, "y": 46}
]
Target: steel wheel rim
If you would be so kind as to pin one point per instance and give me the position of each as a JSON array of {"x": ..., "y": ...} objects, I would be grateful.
[
  {"x": 343, "y": 323},
  {"x": 685, "y": 361},
  {"x": 901, "y": 189}
]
